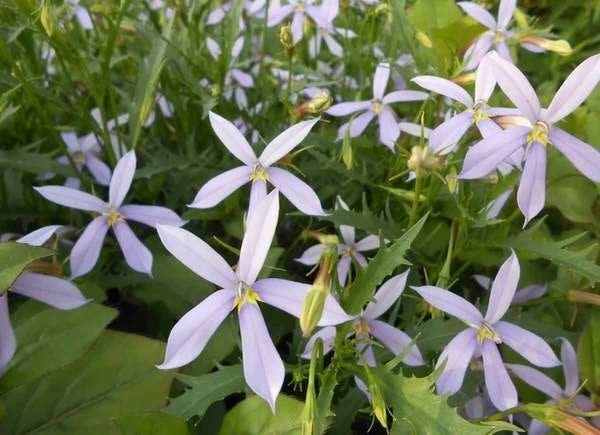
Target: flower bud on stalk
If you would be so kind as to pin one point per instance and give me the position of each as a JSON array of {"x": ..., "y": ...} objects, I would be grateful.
[
  {"x": 47, "y": 17},
  {"x": 464, "y": 79},
  {"x": 579, "y": 296},
  {"x": 287, "y": 40},
  {"x": 554, "y": 417},
  {"x": 315, "y": 106},
  {"x": 560, "y": 47},
  {"x": 422, "y": 160},
  {"x": 377, "y": 400}
]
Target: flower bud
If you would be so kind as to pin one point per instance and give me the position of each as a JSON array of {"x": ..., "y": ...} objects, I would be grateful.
[
  {"x": 315, "y": 106},
  {"x": 287, "y": 39},
  {"x": 377, "y": 400},
  {"x": 314, "y": 303},
  {"x": 464, "y": 79},
  {"x": 579, "y": 296},
  {"x": 47, "y": 18},
  {"x": 553, "y": 416},
  {"x": 422, "y": 160},
  {"x": 423, "y": 39},
  {"x": 560, "y": 46}
]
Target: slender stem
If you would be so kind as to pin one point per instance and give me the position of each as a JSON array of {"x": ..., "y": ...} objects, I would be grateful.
[
  {"x": 288, "y": 92},
  {"x": 415, "y": 204},
  {"x": 444, "y": 276}
]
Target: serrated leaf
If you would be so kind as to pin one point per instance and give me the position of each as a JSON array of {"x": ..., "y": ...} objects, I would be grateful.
[
  {"x": 205, "y": 390},
  {"x": 14, "y": 257},
  {"x": 384, "y": 263}
]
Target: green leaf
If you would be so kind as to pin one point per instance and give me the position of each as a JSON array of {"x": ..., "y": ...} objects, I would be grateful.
[
  {"x": 49, "y": 339},
  {"x": 366, "y": 221},
  {"x": 384, "y": 263},
  {"x": 152, "y": 423},
  {"x": 205, "y": 390},
  {"x": 35, "y": 163},
  {"x": 588, "y": 352},
  {"x": 253, "y": 416},
  {"x": 114, "y": 380},
  {"x": 14, "y": 257}
]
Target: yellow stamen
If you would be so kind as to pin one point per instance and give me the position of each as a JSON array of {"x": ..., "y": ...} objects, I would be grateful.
[
  {"x": 538, "y": 133},
  {"x": 499, "y": 37},
  {"x": 486, "y": 332},
  {"x": 245, "y": 294},
  {"x": 259, "y": 173},
  {"x": 114, "y": 216},
  {"x": 376, "y": 107},
  {"x": 479, "y": 113},
  {"x": 78, "y": 157},
  {"x": 361, "y": 328}
]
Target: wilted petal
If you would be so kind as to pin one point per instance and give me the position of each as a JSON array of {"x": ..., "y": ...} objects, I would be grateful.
[
  {"x": 400, "y": 96},
  {"x": 343, "y": 269},
  {"x": 137, "y": 256},
  {"x": 289, "y": 296},
  {"x": 39, "y": 236},
  {"x": 584, "y": 157},
  {"x": 232, "y": 138},
  {"x": 388, "y": 127},
  {"x": 191, "y": 333},
  {"x": 342, "y": 109},
  {"x": 500, "y": 388},
  {"x": 286, "y": 141},
  {"x": 570, "y": 367},
  {"x": 457, "y": 354},
  {"x": 121, "y": 179},
  {"x": 385, "y": 297},
  {"x": 263, "y": 368},
  {"x": 8, "y": 343},
  {"x": 72, "y": 198},
  {"x": 220, "y": 187},
  {"x": 531, "y": 194},
  {"x": 527, "y": 344},
  {"x": 536, "y": 379},
  {"x": 86, "y": 250},
  {"x": 575, "y": 89},
  {"x": 445, "y": 136},
  {"x": 530, "y": 292},
  {"x": 380, "y": 80},
  {"x": 450, "y": 303},
  {"x": 260, "y": 229},
  {"x": 296, "y": 191},
  {"x": 479, "y": 14},
  {"x": 326, "y": 334},
  {"x": 312, "y": 255},
  {"x": 444, "y": 87},
  {"x": 503, "y": 289},
  {"x": 396, "y": 341},
  {"x": 197, "y": 255},
  {"x": 151, "y": 215},
  {"x": 98, "y": 169},
  {"x": 51, "y": 290}
]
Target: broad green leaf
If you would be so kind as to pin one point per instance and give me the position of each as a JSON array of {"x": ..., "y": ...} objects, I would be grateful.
[
  {"x": 253, "y": 416},
  {"x": 205, "y": 390},
  {"x": 35, "y": 163},
  {"x": 115, "y": 379},
  {"x": 14, "y": 257},
  {"x": 384, "y": 263},
  {"x": 49, "y": 339},
  {"x": 588, "y": 353},
  {"x": 152, "y": 423}
]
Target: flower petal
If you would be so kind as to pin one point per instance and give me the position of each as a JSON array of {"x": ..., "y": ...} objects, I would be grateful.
[
  {"x": 380, "y": 80},
  {"x": 342, "y": 109},
  {"x": 485, "y": 82},
  {"x": 263, "y": 368},
  {"x": 503, "y": 289},
  {"x": 297, "y": 26},
  {"x": 479, "y": 14},
  {"x": 444, "y": 87},
  {"x": 311, "y": 256},
  {"x": 527, "y": 344},
  {"x": 326, "y": 334},
  {"x": 385, "y": 297},
  {"x": 396, "y": 341},
  {"x": 51, "y": 290},
  {"x": 286, "y": 141},
  {"x": 151, "y": 215},
  {"x": 232, "y": 138},
  {"x": 121, "y": 179},
  {"x": 451, "y": 303},
  {"x": 531, "y": 194},
  {"x": 39, "y": 236},
  {"x": 505, "y": 12},
  {"x": 500, "y": 388},
  {"x": 137, "y": 256},
  {"x": 444, "y": 137},
  {"x": 72, "y": 198},
  {"x": 220, "y": 187},
  {"x": 86, "y": 250},
  {"x": 570, "y": 367},
  {"x": 260, "y": 229},
  {"x": 197, "y": 255},
  {"x": 343, "y": 269},
  {"x": 575, "y": 89},
  {"x": 258, "y": 192},
  {"x": 528, "y": 293},
  {"x": 191, "y": 333},
  {"x": 367, "y": 244},
  {"x": 477, "y": 50},
  {"x": 358, "y": 124},
  {"x": 584, "y": 157},
  {"x": 98, "y": 169},
  {"x": 457, "y": 354},
  {"x": 296, "y": 191},
  {"x": 389, "y": 131},
  {"x": 537, "y": 380},
  {"x": 277, "y": 13},
  {"x": 348, "y": 234},
  {"x": 8, "y": 343},
  {"x": 404, "y": 95}
]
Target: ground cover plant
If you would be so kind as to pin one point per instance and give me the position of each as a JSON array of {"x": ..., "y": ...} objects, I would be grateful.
[{"x": 299, "y": 217}]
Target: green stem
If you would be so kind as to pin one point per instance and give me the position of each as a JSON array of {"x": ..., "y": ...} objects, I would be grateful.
[
  {"x": 444, "y": 276},
  {"x": 415, "y": 204},
  {"x": 288, "y": 91}
]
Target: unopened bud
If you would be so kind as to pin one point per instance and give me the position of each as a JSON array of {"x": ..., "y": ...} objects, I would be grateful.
[
  {"x": 315, "y": 106},
  {"x": 521, "y": 19},
  {"x": 422, "y": 160},
  {"x": 423, "y": 39},
  {"x": 552, "y": 416},
  {"x": 465, "y": 79},
  {"x": 314, "y": 302},
  {"x": 452, "y": 180},
  {"x": 560, "y": 46},
  {"x": 579, "y": 296},
  {"x": 381, "y": 9},
  {"x": 47, "y": 18},
  {"x": 377, "y": 400},
  {"x": 287, "y": 39}
]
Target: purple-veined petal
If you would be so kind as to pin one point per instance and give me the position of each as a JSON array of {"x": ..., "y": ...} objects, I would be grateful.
[
  {"x": 528, "y": 293},
  {"x": 51, "y": 290},
  {"x": 232, "y": 138},
  {"x": 197, "y": 255},
  {"x": 457, "y": 354},
  {"x": 258, "y": 192},
  {"x": 278, "y": 13},
  {"x": 583, "y": 156},
  {"x": 505, "y": 12},
  {"x": 72, "y": 198},
  {"x": 289, "y": 296},
  {"x": 385, "y": 297},
  {"x": 263, "y": 368},
  {"x": 389, "y": 131},
  {"x": 503, "y": 289},
  {"x": 404, "y": 95},
  {"x": 342, "y": 109},
  {"x": 531, "y": 194},
  {"x": 451, "y": 303},
  {"x": 326, "y": 334},
  {"x": 296, "y": 191},
  {"x": 137, "y": 256},
  {"x": 485, "y": 81},
  {"x": 444, "y": 87},
  {"x": 570, "y": 367},
  {"x": 260, "y": 229},
  {"x": 537, "y": 380},
  {"x": 479, "y": 14},
  {"x": 500, "y": 388},
  {"x": 151, "y": 215},
  {"x": 8, "y": 343},
  {"x": 516, "y": 87},
  {"x": 575, "y": 89},
  {"x": 312, "y": 255},
  {"x": 477, "y": 50},
  {"x": 396, "y": 341},
  {"x": 348, "y": 234},
  {"x": 343, "y": 269},
  {"x": 220, "y": 187},
  {"x": 527, "y": 344},
  {"x": 86, "y": 250},
  {"x": 485, "y": 156},
  {"x": 100, "y": 170},
  {"x": 121, "y": 179},
  {"x": 39, "y": 236},
  {"x": 444, "y": 137},
  {"x": 380, "y": 80},
  {"x": 191, "y": 333},
  {"x": 286, "y": 141}
]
